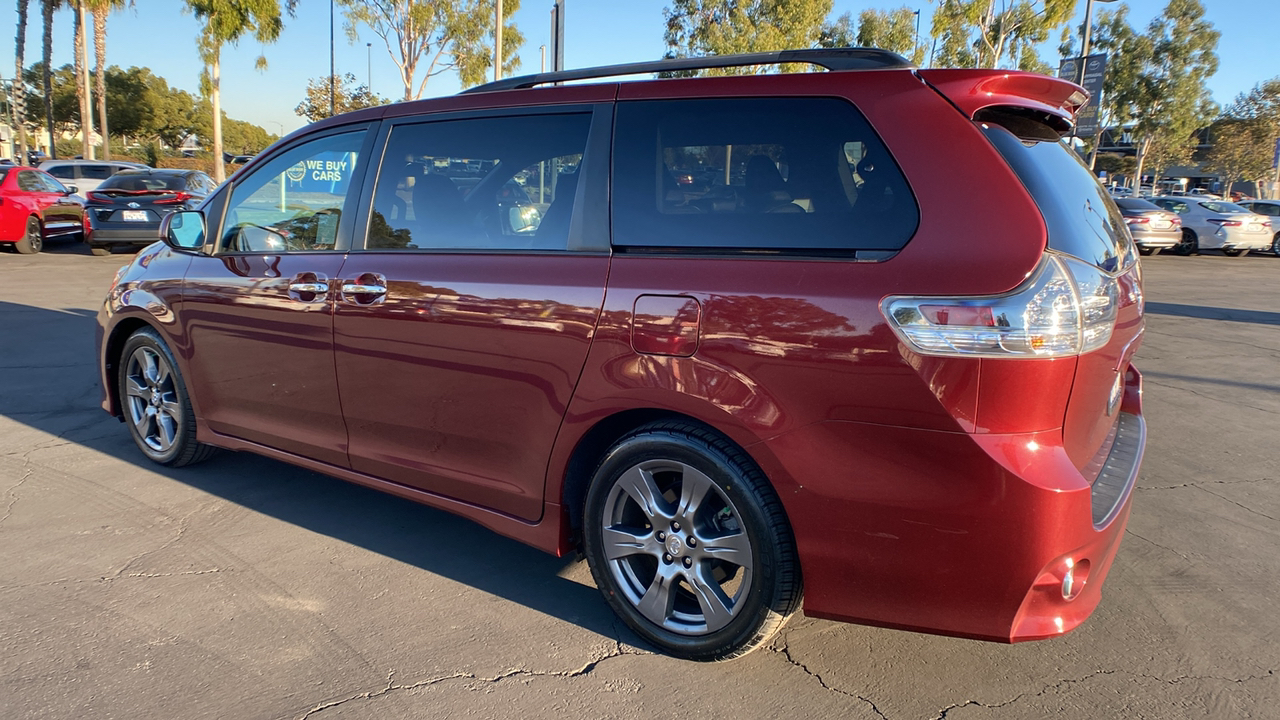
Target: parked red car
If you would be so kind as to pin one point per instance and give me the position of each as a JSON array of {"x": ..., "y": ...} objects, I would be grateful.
[
  {"x": 880, "y": 350},
  {"x": 35, "y": 207}
]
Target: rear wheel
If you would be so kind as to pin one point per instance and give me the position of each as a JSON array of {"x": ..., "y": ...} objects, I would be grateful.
[
  {"x": 1190, "y": 244},
  {"x": 154, "y": 399},
  {"x": 32, "y": 241},
  {"x": 1275, "y": 244},
  {"x": 689, "y": 543},
  {"x": 1234, "y": 253}
]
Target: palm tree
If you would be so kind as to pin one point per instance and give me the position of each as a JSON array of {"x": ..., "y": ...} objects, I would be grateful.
[
  {"x": 19, "y": 90},
  {"x": 47, "y": 8},
  {"x": 100, "y": 9},
  {"x": 82, "y": 82},
  {"x": 225, "y": 22}
]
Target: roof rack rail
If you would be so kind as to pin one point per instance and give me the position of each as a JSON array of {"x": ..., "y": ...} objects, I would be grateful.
[{"x": 829, "y": 58}]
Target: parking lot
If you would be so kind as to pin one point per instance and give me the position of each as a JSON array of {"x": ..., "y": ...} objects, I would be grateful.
[{"x": 245, "y": 588}]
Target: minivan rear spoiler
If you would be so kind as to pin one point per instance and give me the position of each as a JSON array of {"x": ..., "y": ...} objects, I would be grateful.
[{"x": 1030, "y": 105}]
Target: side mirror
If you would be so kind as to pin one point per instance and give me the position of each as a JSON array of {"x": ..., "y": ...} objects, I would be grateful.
[
  {"x": 72, "y": 190},
  {"x": 183, "y": 230}
]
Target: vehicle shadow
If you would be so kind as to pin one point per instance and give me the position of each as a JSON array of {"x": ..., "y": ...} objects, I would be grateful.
[
  {"x": 1260, "y": 317},
  {"x": 52, "y": 385}
]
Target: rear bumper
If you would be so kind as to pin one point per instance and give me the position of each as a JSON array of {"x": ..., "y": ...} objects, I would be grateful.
[
  {"x": 1157, "y": 239},
  {"x": 105, "y": 233},
  {"x": 970, "y": 535}
]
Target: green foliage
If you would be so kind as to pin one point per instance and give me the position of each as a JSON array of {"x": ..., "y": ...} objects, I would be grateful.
[
  {"x": 891, "y": 30},
  {"x": 448, "y": 35},
  {"x": 723, "y": 27},
  {"x": 990, "y": 34},
  {"x": 347, "y": 97},
  {"x": 1241, "y": 150},
  {"x": 244, "y": 138},
  {"x": 225, "y": 22}
]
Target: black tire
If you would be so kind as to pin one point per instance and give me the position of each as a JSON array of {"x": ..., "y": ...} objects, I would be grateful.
[
  {"x": 100, "y": 250},
  {"x": 32, "y": 241},
  {"x": 736, "y": 544},
  {"x": 157, "y": 400},
  {"x": 1275, "y": 245},
  {"x": 1234, "y": 253},
  {"x": 1146, "y": 251},
  {"x": 1190, "y": 244}
]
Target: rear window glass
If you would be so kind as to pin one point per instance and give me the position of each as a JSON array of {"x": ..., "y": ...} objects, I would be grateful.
[
  {"x": 1082, "y": 219},
  {"x": 96, "y": 172},
  {"x": 62, "y": 171},
  {"x": 1222, "y": 207},
  {"x": 750, "y": 174},
  {"x": 1135, "y": 204},
  {"x": 141, "y": 183}
]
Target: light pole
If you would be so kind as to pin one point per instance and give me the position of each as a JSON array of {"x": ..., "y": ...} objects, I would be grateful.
[
  {"x": 916, "y": 46},
  {"x": 332, "y": 103},
  {"x": 369, "y": 60}
]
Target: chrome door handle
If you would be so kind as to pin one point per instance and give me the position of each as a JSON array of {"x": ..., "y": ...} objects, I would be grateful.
[
  {"x": 309, "y": 287},
  {"x": 357, "y": 289}
]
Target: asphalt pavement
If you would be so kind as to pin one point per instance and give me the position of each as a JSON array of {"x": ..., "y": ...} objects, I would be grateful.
[{"x": 245, "y": 588}]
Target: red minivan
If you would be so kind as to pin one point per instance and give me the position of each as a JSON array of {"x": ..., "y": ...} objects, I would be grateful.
[{"x": 864, "y": 332}]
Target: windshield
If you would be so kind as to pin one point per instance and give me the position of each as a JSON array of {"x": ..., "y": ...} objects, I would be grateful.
[{"x": 1136, "y": 204}]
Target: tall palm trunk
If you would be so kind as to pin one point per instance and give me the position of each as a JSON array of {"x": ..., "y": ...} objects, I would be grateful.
[
  {"x": 215, "y": 97},
  {"x": 100, "y": 76},
  {"x": 47, "y": 11},
  {"x": 82, "y": 83},
  {"x": 19, "y": 87}
]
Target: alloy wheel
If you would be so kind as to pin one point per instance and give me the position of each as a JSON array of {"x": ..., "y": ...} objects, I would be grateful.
[
  {"x": 152, "y": 399},
  {"x": 676, "y": 548}
]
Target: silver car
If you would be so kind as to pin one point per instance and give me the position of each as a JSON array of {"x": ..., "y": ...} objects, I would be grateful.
[
  {"x": 87, "y": 174},
  {"x": 1217, "y": 225},
  {"x": 1153, "y": 228},
  {"x": 1270, "y": 208}
]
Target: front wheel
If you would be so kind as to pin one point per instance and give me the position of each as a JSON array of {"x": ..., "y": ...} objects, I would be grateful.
[
  {"x": 156, "y": 406},
  {"x": 689, "y": 543},
  {"x": 32, "y": 241},
  {"x": 1275, "y": 245}
]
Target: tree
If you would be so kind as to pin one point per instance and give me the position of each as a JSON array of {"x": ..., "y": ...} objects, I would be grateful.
[
  {"x": 82, "y": 81},
  {"x": 347, "y": 97},
  {"x": 891, "y": 30},
  {"x": 456, "y": 35},
  {"x": 991, "y": 34},
  {"x": 1240, "y": 151},
  {"x": 722, "y": 27},
  {"x": 1173, "y": 101},
  {"x": 244, "y": 138},
  {"x": 100, "y": 9},
  {"x": 19, "y": 89},
  {"x": 47, "y": 7},
  {"x": 60, "y": 102}
]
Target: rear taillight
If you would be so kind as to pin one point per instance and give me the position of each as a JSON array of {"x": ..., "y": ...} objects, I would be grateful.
[
  {"x": 1138, "y": 220},
  {"x": 1066, "y": 307},
  {"x": 178, "y": 197},
  {"x": 96, "y": 196},
  {"x": 1225, "y": 223}
]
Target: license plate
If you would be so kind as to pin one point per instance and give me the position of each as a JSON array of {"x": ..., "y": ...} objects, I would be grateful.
[
  {"x": 1255, "y": 228},
  {"x": 135, "y": 215},
  {"x": 1161, "y": 224}
]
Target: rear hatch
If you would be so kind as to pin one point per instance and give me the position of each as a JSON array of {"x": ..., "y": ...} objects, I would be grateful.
[
  {"x": 142, "y": 206},
  {"x": 1024, "y": 116}
]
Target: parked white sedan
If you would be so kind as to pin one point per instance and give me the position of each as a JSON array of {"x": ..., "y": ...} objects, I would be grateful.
[
  {"x": 1217, "y": 225},
  {"x": 1270, "y": 208}
]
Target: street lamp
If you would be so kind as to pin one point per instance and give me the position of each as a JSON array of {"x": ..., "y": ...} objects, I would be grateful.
[{"x": 369, "y": 59}]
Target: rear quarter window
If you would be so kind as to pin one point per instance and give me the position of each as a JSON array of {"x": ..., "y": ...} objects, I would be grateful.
[
  {"x": 1082, "y": 219},
  {"x": 756, "y": 174}
]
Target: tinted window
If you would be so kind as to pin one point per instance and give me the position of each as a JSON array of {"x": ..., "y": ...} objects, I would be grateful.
[
  {"x": 295, "y": 201},
  {"x": 136, "y": 182},
  {"x": 4, "y": 172},
  {"x": 1222, "y": 207},
  {"x": 95, "y": 172},
  {"x": 1082, "y": 219},
  {"x": 759, "y": 173},
  {"x": 62, "y": 171},
  {"x": 492, "y": 183},
  {"x": 30, "y": 181},
  {"x": 1260, "y": 208}
]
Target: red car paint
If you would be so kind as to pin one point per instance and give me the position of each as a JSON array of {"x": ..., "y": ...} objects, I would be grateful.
[
  {"x": 60, "y": 214},
  {"x": 938, "y": 494}
]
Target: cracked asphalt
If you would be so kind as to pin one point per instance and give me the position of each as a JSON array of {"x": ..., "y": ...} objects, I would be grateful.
[{"x": 244, "y": 588}]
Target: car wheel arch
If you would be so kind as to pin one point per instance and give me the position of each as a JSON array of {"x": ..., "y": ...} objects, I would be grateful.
[
  {"x": 591, "y": 447},
  {"x": 113, "y": 347}
]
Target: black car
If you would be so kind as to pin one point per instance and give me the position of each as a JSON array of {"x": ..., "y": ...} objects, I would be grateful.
[{"x": 127, "y": 207}]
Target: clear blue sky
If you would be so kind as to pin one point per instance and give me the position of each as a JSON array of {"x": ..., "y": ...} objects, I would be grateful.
[{"x": 158, "y": 35}]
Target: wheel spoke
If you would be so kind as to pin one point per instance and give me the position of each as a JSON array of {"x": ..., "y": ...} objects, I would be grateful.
[
  {"x": 162, "y": 372},
  {"x": 167, "y": 430},
  {"x": 620, "y": 543},
  {"x": 149, "y": 370},
  {"x": 735, "y": 549},
  {"x": 171, "y": 408},
  {"x": 712, "y": 600},
  {"x": 638, "y": 483},
  {"x": 658, "y": 599},
  {"x": 134, "y": 388},
  {"x": 694, "y": 487}
]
